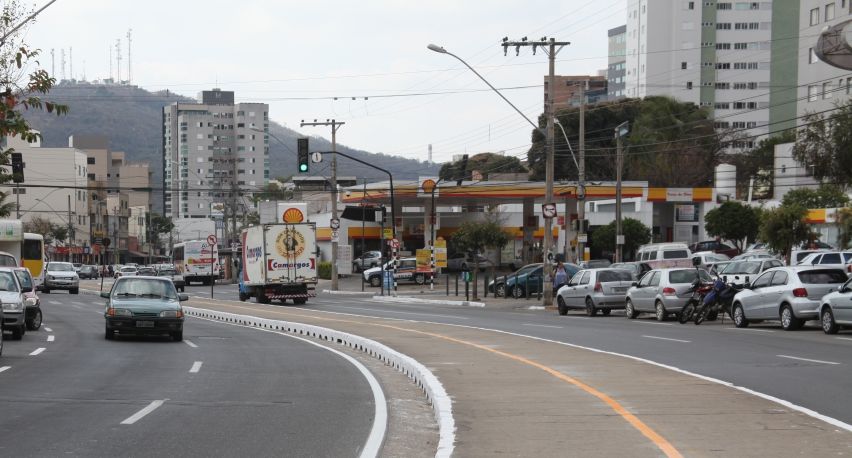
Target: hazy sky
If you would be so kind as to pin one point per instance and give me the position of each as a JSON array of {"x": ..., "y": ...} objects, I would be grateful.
[{"x": 296, "y": 56}]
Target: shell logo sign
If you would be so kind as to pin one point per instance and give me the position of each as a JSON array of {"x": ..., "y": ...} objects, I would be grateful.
[
  {"x": 428, "y": 185},
  {"x": 293, "y": 215}
]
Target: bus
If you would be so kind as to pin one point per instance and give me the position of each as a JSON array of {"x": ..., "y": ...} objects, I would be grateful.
[
  {"x": 24, "y": 249},
  {"x": 193, "y": 258},
  {"x": 32, "y": 256}
]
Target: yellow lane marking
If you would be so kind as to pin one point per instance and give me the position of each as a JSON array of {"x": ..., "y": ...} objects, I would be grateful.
[{"x": 658, "y": 440}]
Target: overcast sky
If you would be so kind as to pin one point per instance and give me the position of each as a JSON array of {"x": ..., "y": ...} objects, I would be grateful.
[{"x": 282, "y": 52}]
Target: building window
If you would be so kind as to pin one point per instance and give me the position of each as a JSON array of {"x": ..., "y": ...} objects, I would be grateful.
[
  {"x": 813, "y": 93},
  {"x": 689, "y": 84},
  {"x": 815, "y": 16},
  {"x": 723, "y": 26},
  {"x": 826, "y": 90},
  {"x": 723, "y": 6},
  {"x": 690, "y": 5},
  {"x": 723, "y": 46},
  {"x": 90, "y": 160},
  {"x": 829, "y": 12}
]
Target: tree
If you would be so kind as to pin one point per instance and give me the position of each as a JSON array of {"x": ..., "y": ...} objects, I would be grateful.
[
  {"x": 484, "y": 163},
  {"x": 733, "y": 221},
  {"x": 844, "y": 228},
  {"x": 823, "y": 145},
  {"x": 160, "y": 225},
  {"x": 635, "y": 233},
  {"x": 39, "y": 225},
  {"x": 826, "y": 196},
  {"x": 59, "y": 231},
  {"x": 474, "y": 237},
  {"x": 272, "y": 192},
  {"x": 784, "y": 228}
]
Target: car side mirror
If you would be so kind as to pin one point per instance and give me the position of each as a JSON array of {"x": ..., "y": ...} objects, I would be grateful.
[
  {"x": 635, "y": 283},
  {"x": 183, "y": 297},
  {"x": 747, "y": 285},
  {"x": 105, "y": 294}
]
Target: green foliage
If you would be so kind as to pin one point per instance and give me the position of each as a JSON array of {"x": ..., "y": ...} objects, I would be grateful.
[
  {"x": 824, "y": 142},
  {"x": 59, "y": 231},
  {"x": 844, "y": 228},
  {"x": 324, "y": 270},
  {"x": 784, "y": 228},
  {"x": 635, "y": 233},
  {"x": 733, "y": 221},
  {"x": 475, "y": 237},
  {"x": 272, "y": 192},
  {"x": 826, "y": 196},
  {"x": 484, "y": 163},
  {"x": 160, "y": 225},
  {"x": 758, "y": 163}
]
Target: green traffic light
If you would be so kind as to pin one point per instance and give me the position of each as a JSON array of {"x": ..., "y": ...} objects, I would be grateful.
[{"x": 303, "y": 167}]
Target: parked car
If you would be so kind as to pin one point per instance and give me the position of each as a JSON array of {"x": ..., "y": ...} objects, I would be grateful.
[
  {"x": 405, "y": 271},
  {"x": 143, "y": 305},
  {"x": 742, "y": 272},
  {"x": 790, "y": 294},
  {"x": 708, "y": 258},
  {"x": 88, "y": 271},
  {"x": 602, "y": 289},
  {"x": 715, "y": 246},
  {"x": 796, "y": 256},
  {"x": 663, "y": 255},
  {"x": 663, "y": 291},
  {"x": 836, "y": 309},
  {"x": 637, "y": 269},
  {"x": 61, "y": 275},
  {"x": 753, "y": 255},
  {"x": 126, "y": 271},
  {"x": 11, "y": 295},
  {"x": 32, "y": 303},
  {"x": 175, "y": 276},
  {"x": 595, "y": 263},
  {"x": 367, "y": 260},
  {"x": 529, "y": 278},
  {"x": 460, "y": 261},
  {"x": 717, "y": 267},
  {"x": 839, "y": 259}
]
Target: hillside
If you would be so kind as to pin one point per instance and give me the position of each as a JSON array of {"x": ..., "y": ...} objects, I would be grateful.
[{"x": 131, "y": 118}]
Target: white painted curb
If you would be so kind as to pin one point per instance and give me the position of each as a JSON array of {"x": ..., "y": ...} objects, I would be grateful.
[
  {"x": 348, "y": 293},
  {"x": 427, "y": 301},
  {"x": 423, "y": 377}
]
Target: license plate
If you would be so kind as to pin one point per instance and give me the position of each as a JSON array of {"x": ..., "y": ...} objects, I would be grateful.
[
  {"x": 619, "y": 290},
  {"x": 144, "y": 324}
]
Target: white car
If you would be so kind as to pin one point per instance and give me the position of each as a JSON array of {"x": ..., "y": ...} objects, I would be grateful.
[
  {"x": 126, "y": 271},
  {"x": 742, "y": 272},
  {"x": 838, "y": 259},
  {"x": 12, "y": 297},
  {"x": 459, "y": 261},
  {"x": 836, "y": 309},
  {"x": 708, "y": 258},
  {"x": 61, "y": 275}
]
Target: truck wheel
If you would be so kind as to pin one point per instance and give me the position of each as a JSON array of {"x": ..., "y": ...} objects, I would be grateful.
[
  {"x": 420, "y": 279},
  {"x": 261, "y": 297},
  {"x": 243, "y": 297},
  {"x": 376, "y": 281},
  {"x": 300, "y": 300}
]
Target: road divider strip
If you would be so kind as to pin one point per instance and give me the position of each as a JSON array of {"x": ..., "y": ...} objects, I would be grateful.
[
  {"x": 37, "y": 351},
  {"x": 190, "y": 343},
  {"x": 141, "y": 414},
  {"x": 5, "y": 368},
  {"x": 51, "y": 338},
  {"x": 819, "y": 361},
  {"x": 196, "y": 366},
  {"x": 667, "y": 338},
  {"x": 418, "y": 300},
  {"x": 417, "y": 372},
  {"x": 48, "y": 329},
  {"x": 348, "y": 293}
]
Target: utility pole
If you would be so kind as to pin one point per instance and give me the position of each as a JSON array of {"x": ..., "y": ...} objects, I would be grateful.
[
  {"x": 620, "y": 132},
  {"x": 115, "y": 233},
  {"x": 70, "y": 229},
  {"x": 334, "y": 241},
  {"x": 581, "y": 178},
  {"x": 551, "y": 47}
]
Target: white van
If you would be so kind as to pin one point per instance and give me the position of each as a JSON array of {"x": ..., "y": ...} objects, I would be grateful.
[{"x": 664, "y": 255}]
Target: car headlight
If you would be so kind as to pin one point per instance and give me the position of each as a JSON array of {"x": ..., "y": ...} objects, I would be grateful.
[
  {"x": 119, "y": 312},
  {"x": 171, "y": 314},
  {"x": 31, "y": 302},
  {"x": 13, "y": 306}
]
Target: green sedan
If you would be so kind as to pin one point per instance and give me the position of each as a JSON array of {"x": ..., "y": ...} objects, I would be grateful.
[{"x": 144, "y": 305}]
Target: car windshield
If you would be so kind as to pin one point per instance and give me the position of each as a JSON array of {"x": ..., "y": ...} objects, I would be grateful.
[
  {"x": 60, "y": 267},
  {"x": 526, "y": 269},
  {"x": 742, "y": 267},
  {"x": 144, "y": 287},
  {"x": 128, "y": 269},
  {"x": 614, "y": 275},
  {"x": 24, "y": 278},
  {"x": 688, "y": 276},
  {"x": 7, "y": 282},
  {"x": 823, "y": 277}
]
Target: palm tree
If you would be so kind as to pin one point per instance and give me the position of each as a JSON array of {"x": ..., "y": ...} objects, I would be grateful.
[{"x": 6, "y": 208}]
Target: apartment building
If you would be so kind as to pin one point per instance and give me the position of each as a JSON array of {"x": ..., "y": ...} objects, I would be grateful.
[
  {"x": 210, "y": 147},
  {"x": 568, "y": 88},
  {"x": 616, "y": 62},
  {"x": 821, "y": 85},
  {"x": 718, "y": 55}
]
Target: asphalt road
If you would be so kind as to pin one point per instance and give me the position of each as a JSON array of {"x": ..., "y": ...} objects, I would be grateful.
[
  {"x": 225, "y": 391},
  {"x": 805, "y": 367}
]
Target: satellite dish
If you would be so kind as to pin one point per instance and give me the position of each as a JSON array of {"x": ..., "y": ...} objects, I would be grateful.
[{"x": 833, "y": 46}]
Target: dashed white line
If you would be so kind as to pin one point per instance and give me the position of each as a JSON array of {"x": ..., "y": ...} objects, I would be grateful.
[
  {"x": 808, "y": 359},
  {"x": 843, "y": 338},
  {"x": 48, "y": 329},
  {"x": 51, "y": 338},
  {"x": 139, "y": 415},
  {"x": 752, "y": 330},
  {"x": 196, "y": 366},
  {"x": 542, "y": 325},
  {"x": 667, "y": 338},
  {"x": 80, "y": 303},
  {"x": 5, "y": 368},
  {"x": 38, "y": 351},
  {"x": 55, "y": 302},
  {"x": 188, "y": 342},
  {"x": 653, "y": 322}
]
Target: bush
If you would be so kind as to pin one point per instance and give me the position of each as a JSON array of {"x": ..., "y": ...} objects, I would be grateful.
[{"x": 324, "y": 270}]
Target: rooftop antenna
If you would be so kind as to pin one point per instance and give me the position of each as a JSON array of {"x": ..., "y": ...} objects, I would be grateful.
[
  {"x": 62, "y": 62},
  {"x": 84, "y": 69},
  {"x": 118, "y": 60},
  {"x": 52, "y": 63},
  {"x": 129, "y": 39},
  {"x": 110, "y": 62},
  {"x": 71, "y": 62}
]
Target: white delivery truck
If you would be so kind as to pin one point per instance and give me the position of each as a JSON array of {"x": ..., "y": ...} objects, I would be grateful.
[{"x": 279, "y": 262}]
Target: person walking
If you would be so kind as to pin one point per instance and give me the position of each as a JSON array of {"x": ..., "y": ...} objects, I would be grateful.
[{"x": 561, "y": 276}]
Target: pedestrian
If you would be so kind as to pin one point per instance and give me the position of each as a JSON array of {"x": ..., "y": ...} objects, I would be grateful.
[
  {"x": 109, "y": 269},
  {"x": 561, "y": 276}
]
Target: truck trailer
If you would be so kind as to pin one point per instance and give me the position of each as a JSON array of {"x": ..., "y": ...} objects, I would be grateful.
[{"x": 279, "y": 262}]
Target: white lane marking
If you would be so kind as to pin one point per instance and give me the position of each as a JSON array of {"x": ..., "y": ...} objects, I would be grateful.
[
  {"x": 380, "y": 418},
  {"x": 38, "y": 351},
  {"x": 55, "y": 302},
  {"x": 652, "y": 322},
  {"x": 843, "y": 338},
  {"x": 80, "y": 303},
  {"x": 667, "y": 338},
  {"x": 51, "y": 338},
  {"x": 752, "y": 330},
  {"x": 5, "y": 368},
  {"x": 542, "y": 326},
  {"x": 48, "y": 329},
  {"x": 808, "y": 359},
  {"x": 139, "y": 415},
  {"x": 408, "y": 313},
  {"x": 188, "y": 342},
  {"x": 196, "y": 366}
]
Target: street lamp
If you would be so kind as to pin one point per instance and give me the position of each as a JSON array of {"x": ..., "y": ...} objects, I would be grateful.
[{"x": 620, "y": 131}]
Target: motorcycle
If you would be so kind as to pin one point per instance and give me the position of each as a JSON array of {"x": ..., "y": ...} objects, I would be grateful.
[
  {"x": 718, "y": 300},
  {"x": 699, "y": 293}
]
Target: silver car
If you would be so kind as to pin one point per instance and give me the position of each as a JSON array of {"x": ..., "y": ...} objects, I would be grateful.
[
  {"x": 595, "y": 289},
  {"x": 836, "y": 309},
  {"x": 792, "y": 295},
  {"x": 663, "y": 292},
  {"x": 742, "y": 272},
  {"x": 61, "y": 275}
]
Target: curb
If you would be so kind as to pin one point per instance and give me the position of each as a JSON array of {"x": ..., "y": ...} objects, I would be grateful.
[
  {"x": 347, "y": 293},
  {"x": 417, "y": 372},
  {"x": 427, "y": 301}
]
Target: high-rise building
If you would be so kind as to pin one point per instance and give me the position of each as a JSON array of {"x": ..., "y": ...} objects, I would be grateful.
[
  {"x": 714, "y": 54},
  {"x": 209, "y": 149},
  {"x": 616, "y": 62}
]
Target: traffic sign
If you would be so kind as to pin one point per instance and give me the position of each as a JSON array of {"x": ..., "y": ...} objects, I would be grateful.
[
  {"x": 211, "y": 239},
  {"x": 335, "y": 223},
  {"x": 548, "y": 210},
  {"x": 394, "y": 243},
  {"x": 316, "y": 157},
  {"x": 335, "y": 235},
  {"x": 583, "y": 238},
  {"x": 106, "y": 241},
  {"x": 619, "y": 239}
]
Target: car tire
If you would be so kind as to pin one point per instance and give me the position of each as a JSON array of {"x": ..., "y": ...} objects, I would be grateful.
[
  {"x": 738, "y": 315},
  {"x": 177, "y": 336},
  {"x": 829, "y": 326},
  {"x": 517, "y": 292},
  {"x": 590, "y": 307},
  {"x": 300, "y": 301},
  {"x": 74, "y": 291},
  {"x": 109, "y": 334},
  {"x": 660, "y": 311},
  {"x": 182, "y": 289},
  {"x": 789, "y": 322},
  {"x": 560, "y": 305},
  {"x": 376, "y": 281},
  {"x": 606, "y": 312},
  {"x": 500, "y": 290},
  {"x": 419, "y": 279},
  {"x": 629, "y": 311},
  {"x": 35, "y": 323},
  {"x": 18, "y": 333}
]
